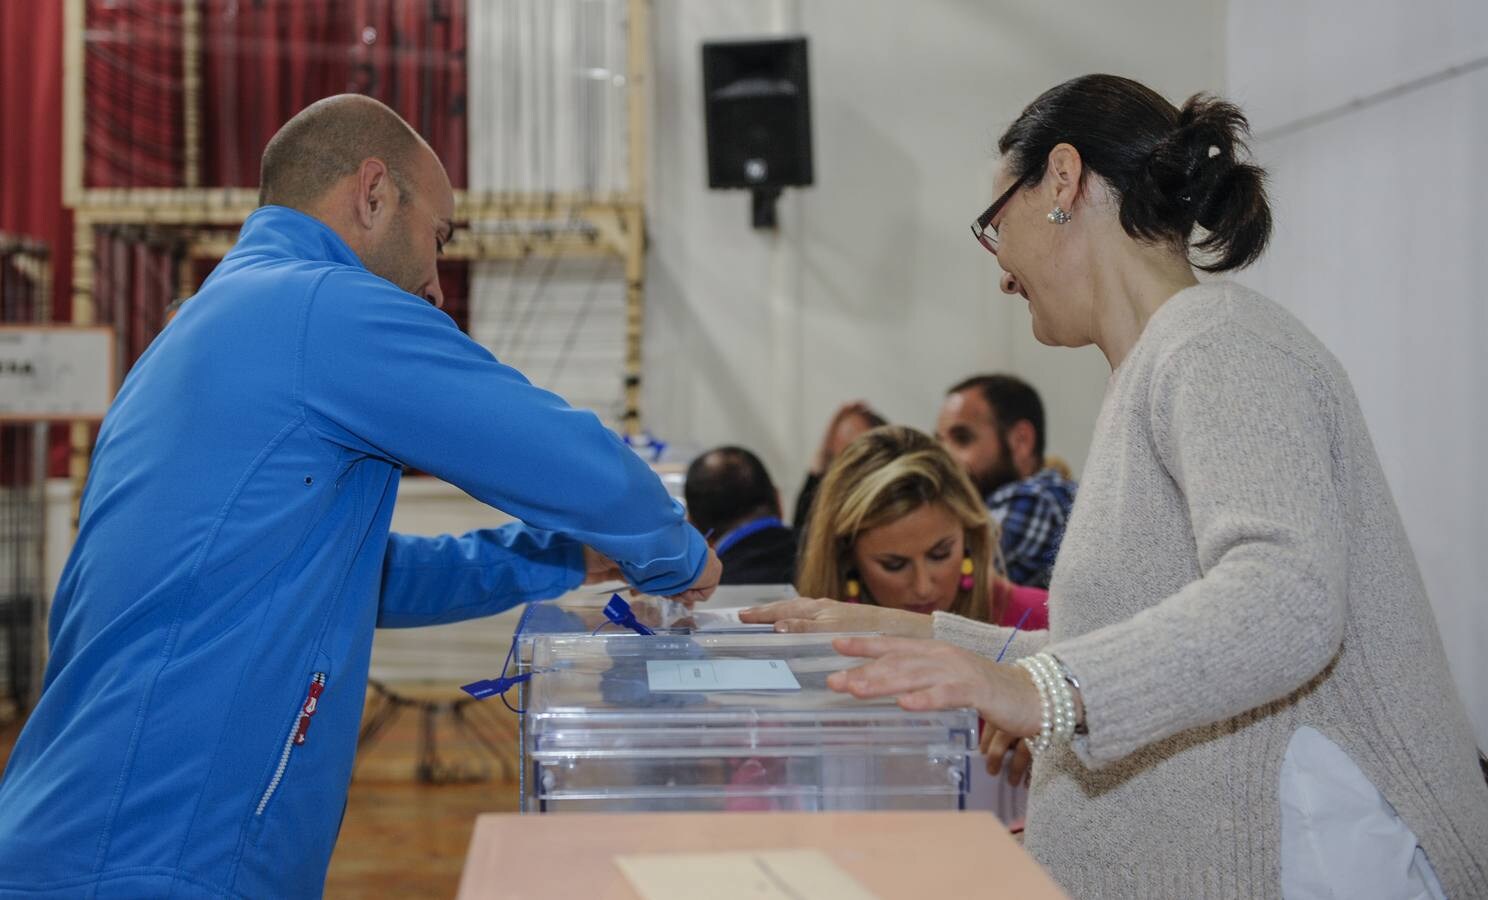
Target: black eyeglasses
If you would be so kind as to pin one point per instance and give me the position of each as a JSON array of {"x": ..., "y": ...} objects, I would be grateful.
[{"x": 982, "y": 227}]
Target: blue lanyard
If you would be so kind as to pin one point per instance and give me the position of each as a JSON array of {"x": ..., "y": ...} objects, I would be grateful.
[{"x": 727, "y": 542}]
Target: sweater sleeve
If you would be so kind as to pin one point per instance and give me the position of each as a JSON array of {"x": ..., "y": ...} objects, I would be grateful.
[
  {"x": 986, "y": 640},
  {"x": 1245, "y": 431}
]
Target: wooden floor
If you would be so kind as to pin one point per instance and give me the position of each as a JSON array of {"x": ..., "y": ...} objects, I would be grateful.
[
  {"x": 409, "y": 840},
  {"x": 405, "y": 839},
  {"x": 401, "y": 838}
]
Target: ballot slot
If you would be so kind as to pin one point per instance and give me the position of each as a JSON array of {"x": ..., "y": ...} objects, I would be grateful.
[
  {"x": 598, "y": 734},
  {"x": 581, "y": 612}
]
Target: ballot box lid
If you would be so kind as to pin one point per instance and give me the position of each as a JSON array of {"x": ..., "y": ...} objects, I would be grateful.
[{"x": 581, "y": 612}]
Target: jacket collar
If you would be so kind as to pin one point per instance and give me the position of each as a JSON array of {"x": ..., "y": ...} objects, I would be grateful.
[{"x": 288, "y": 233}]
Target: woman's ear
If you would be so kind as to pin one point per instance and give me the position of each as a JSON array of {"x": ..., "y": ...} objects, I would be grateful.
[{"x": 1063, "y": 176}]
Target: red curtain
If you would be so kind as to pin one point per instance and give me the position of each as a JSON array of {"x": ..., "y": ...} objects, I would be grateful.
[
  {"x": 31, "y": 146},
  {"x": 132, "y": 65},
  {"x": 135, "y": 278},
  {"x": 262, "y": 61},
  {"x": 265, "y": 60},
  {"x": 31, "y": 152}
]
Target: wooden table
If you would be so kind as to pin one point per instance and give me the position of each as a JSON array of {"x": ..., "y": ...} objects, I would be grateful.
[{"x": 893, "y": 854}]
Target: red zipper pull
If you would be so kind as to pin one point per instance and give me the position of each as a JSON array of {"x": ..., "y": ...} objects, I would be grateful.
[{"x": 312, "y": 701}]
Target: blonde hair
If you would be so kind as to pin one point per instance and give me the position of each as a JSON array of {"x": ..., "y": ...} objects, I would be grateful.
[{"x": 881, "y": 477}]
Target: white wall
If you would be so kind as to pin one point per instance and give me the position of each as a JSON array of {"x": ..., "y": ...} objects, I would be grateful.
[
  {"x": 1379, "y": 248},
  {"x": 547, "y": 114},
  {"x": 873, "y": 287}
]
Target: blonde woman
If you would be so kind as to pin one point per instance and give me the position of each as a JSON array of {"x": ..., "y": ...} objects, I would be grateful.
[{"x": 899, "y": 530}]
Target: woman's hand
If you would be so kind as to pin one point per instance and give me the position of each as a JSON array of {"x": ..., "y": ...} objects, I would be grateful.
[
  {"x": 995, "y": 746},
  {"x": 935, "y": 675},
  {"x": 805, "y": 614}
]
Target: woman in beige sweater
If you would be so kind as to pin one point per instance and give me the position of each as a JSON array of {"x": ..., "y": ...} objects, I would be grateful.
[{"x": 1242, "y": 691}]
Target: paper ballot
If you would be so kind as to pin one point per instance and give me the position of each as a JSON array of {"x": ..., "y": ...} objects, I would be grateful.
[
  {"x": 756, "y": 875},
  {"x": 664, "y": 675}
]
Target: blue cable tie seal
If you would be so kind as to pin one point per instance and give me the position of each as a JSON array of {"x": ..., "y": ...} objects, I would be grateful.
[{"x": 619, "y": 612}]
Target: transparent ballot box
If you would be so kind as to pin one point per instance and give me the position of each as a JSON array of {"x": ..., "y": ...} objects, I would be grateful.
[{"x": 726, "y": 722}]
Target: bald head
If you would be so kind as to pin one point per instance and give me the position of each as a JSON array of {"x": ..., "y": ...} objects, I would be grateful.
[
  {"x": 356, "y": 166},
  {"x": 327, "y": 141}
]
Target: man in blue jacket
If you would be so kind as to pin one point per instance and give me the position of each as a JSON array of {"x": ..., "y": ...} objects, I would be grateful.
[{"x": 211, "y": 632}]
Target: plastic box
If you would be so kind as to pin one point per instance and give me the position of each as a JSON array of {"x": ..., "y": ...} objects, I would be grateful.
[{"x": 597, "y": 738}]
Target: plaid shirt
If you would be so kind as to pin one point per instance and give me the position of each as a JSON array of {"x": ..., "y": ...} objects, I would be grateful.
[{"x": 1032, "y": 513}]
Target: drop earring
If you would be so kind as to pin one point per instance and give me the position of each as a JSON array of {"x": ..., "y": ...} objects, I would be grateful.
[
  {"x": 967, "y": 568},
  {"x": 854, "y": 590}
]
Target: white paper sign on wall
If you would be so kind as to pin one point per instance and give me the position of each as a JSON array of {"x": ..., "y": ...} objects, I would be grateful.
[{"x": 56, "y": 372}]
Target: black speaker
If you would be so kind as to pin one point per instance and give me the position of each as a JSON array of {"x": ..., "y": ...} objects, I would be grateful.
[{"x": 757, "y": 105}]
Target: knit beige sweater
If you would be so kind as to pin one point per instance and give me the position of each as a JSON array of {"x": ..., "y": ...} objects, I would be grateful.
[{"x": 1235, "y": 568}]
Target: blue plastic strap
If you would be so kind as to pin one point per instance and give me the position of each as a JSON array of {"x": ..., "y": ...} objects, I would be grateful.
[
  {"x": 488, "y": 687},
  {"x": 619, "y": 612}
]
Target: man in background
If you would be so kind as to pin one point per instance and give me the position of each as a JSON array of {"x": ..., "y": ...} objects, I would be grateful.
[
  {"x": 994, "y": 426},
  {"x": 731, "y": 498}
]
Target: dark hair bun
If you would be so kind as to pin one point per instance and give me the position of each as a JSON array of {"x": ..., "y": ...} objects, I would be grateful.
[
  {"x": 1174, "y": 169},
  {"x": 1195, "y": 176}
]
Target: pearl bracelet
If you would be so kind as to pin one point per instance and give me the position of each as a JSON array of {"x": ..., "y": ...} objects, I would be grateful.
[{"x": 1056, "y": 699}]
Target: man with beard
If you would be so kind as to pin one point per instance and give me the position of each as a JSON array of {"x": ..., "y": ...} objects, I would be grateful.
[{"x": 994, "y": 426}]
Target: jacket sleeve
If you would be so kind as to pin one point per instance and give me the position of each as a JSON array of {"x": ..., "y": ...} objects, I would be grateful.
[
  {"x": 436, "y": 580},
  {"x": 386, "y": 374}
]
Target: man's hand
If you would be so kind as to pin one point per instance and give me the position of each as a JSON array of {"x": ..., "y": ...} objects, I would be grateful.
[
  {"x": 599, "y": 568},
  {"x": 707, "y": 582},
  {"x": 808, "y": 614}
]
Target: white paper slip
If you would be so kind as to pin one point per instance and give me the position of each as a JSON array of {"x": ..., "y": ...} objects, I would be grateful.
[
  {"x": 664, "y": 675},
  {"x": 756, "y": 875}
]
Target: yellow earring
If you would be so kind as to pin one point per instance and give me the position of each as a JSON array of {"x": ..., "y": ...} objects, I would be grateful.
[
  {"x": 853, "y": 590},
  {"x": 967, "y": 568}
]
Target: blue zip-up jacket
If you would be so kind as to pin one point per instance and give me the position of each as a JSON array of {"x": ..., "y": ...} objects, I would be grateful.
[{"x": 234, "y": 557}]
